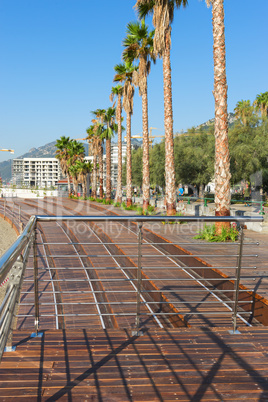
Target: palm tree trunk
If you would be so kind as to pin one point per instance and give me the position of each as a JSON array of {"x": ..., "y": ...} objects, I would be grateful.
[
  {"x": 75, "y": 183},
  {"x": 108, "y": 170},
  {"x": 94, "y": 181},
  {"x": 145, "y": 158},
  {"x": 129, "y": 161},
  {"x": 222, "y": 159},
  {"x": 101, "y": 170},
  {"x": 169, "y": 141},
  {"x": 69, "y": 184},
  {"x": 118, "y": 197}
]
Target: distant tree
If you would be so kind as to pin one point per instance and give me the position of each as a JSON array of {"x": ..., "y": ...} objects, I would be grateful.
[
  {"x": 83, "y": 168},
  {"x": 194, "y": 160},
  {"x": 137, "y": 174},
  {"x": 248, "y": 151},
  {"x": 244, "y": 112},
  {"x": 73, "y": 171},
  {"x": 261, "y": 103},
  {"x": 157, "y": 165},
  {"x": 62, "y": 154}
]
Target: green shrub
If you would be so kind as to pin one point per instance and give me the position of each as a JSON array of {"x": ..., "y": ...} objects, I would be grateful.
[{"x": 209, "y": 234}]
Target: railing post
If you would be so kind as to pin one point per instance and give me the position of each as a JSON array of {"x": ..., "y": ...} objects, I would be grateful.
[
  {"x": 5, "y": 203},
  {"x": 36, "y": 301},
  {"x": 238, "y": 274},
  {"x": 139, "y": 280},
  {"x": 14, "y": 280}
]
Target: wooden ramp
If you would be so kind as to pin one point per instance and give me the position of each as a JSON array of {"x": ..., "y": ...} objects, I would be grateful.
[{"x": 113, "y": 365}]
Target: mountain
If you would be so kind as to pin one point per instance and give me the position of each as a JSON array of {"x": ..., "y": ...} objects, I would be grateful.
[{"x": 207, "y": 124}]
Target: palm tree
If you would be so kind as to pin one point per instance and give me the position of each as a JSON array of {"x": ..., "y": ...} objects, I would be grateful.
[
  {"x": 99, "y": 127},
  {"x": 107, "y": 134},
  {"x": 139, "y": 46},
  {"x": 124, "y": 74},
  {"x": 62, "y": 154},
  {"x": 76, "y": 153},
  {"x": 118, "y": 91},
  {"x": 83, "y": 168},
  {"x": 73, "y": 171},
  {"x": 163, "y": 14},
  {"x": 261, "y": 103},
  {"x": 244, "y": 111},
  {"x": 222, "y": 156},
  {"x": 93, "y": 139}
]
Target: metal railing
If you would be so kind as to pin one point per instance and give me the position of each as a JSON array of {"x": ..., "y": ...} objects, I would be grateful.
[
  {"x": 12, "y": 268},
  {"x": 148, "y": 269}
]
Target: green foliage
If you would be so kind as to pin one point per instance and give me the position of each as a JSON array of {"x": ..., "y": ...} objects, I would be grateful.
[
  {"x": 248, "y": 151},
  {"x": 209, "y": 234},
  {"x": 194, "y": 158},
  {"x": 157, "y": 165}
]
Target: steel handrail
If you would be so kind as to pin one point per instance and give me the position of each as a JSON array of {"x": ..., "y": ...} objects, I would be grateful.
[
  {"x": 10, "y": 256},
  {"x": 144, "y": 219}
]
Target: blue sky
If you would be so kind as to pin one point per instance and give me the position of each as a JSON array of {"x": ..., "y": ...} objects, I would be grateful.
[{"x": 57, "y": 60}]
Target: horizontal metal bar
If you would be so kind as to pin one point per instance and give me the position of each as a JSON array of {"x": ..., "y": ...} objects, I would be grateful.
[
  {"x": 143, "y": 255},
  {"x": 132, "y": 279},
  {"x": 130, "y": 268},
  {"x": 151, "y": 244},
  {"x": 135, "y": 302},
  {"x": 142, "y": 291},
  {"x": 193, "y": 313},
  {"x": 144, "y": 219}
]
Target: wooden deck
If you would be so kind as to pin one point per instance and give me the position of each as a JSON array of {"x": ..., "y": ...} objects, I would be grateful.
[
  {"x": 86, "y": 363},
  {"x": 162, "y": 365}
]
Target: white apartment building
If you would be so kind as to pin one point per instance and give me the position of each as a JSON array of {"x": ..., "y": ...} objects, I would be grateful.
[{"x": 32, "y": 172}]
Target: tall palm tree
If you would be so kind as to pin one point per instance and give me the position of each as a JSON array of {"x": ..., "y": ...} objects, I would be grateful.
[
  {"x": 163, "y": 14},
  {"x": 94, "y": 141},
  {"x": 99, "y": 127},
  {"x": 139, "y": 46},
  {"x": 222, "y": 156},
  {"x": 124, "y": 74},
  {"x": 62, "y": 154},
  {"x": 108, "y": 133},
  {"x": 261, "y": 103},
  {"x": 118, "y": 91},
  {"x": 243, "y": 111}
]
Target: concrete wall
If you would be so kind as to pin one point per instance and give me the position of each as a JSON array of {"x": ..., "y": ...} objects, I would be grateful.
[{"x": 27, "y": 193}]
